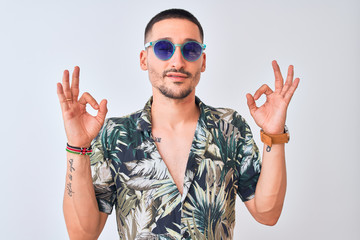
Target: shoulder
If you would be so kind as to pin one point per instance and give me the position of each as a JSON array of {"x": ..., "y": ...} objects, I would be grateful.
[
  {"x": 228, "y": 116},
  {"x": 119, "y": 125},
  {"x": 116, "y": 131},
  {"x": 126, "y": 120}
]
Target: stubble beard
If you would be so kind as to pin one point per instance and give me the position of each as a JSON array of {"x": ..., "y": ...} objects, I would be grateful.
[
  {"x": 168, "y": 92},
  {"x": 171, "y": 94}
]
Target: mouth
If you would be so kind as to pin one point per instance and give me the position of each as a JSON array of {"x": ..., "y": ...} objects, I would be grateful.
[{"x": 177, "y": 76}]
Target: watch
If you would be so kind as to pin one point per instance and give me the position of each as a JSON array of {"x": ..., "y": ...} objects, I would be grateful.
[{"x": 270, "y": 139}]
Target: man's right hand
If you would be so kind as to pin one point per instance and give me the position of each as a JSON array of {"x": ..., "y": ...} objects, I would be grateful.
[{"x": 80, "y": 126}]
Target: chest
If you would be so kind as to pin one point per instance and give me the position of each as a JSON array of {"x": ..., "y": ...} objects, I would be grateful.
[{"x": 174, "y": 148}]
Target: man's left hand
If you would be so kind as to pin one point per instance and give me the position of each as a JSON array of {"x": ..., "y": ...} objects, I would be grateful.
[{"x": 271, "y": 116}]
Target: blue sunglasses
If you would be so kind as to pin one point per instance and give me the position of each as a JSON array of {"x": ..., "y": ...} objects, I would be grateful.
[{"x": 164, "y": 49}]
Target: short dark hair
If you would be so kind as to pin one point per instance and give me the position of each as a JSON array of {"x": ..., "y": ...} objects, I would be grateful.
[{"x": 173, "y": 13}]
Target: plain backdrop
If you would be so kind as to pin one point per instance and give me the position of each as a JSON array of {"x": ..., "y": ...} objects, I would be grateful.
[{"x": 39, "y": 39}]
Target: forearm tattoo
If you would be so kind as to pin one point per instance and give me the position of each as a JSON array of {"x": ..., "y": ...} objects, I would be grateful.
[{"x": 68, "y": 185}]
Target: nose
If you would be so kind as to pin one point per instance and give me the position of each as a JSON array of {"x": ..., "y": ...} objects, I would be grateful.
[{"x": 177, "y": 60}]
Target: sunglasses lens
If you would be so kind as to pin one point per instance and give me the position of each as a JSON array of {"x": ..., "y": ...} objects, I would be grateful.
[
  {"x": 192, "y": 51},
  {"x": 163, "y": 50}
]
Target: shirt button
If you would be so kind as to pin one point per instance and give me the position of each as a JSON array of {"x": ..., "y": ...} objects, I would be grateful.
[{"x": 186, "y": 235}]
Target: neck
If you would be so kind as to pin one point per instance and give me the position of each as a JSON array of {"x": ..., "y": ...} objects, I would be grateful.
[{"x": 173, "y": 113}]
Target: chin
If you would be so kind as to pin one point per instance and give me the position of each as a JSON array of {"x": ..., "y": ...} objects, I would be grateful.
[{"x": 175, "y": 95}]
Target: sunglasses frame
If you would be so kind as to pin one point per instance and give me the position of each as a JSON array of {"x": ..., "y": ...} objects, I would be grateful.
[{"x": 148, "y": 44}]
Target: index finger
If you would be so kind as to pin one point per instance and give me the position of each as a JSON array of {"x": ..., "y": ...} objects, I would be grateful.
[
  {"x": 62, "y": 99},
  {"x": 75, "y": 83},
  {"x": 279, "y": 81}
]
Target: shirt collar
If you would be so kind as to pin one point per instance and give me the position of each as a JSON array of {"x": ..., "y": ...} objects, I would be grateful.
[{"x": 206, "y": 117}]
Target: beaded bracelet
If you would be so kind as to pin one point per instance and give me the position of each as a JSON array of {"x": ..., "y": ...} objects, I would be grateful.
[{"x": 77, "y": 150}]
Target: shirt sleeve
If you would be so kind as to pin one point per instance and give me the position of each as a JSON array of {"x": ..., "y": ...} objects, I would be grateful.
[
  {"x": 249, "y": 160},
  {"x": 102, "y": 177}
]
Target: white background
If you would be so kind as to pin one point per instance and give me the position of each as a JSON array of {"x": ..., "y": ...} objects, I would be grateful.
[{"x": 39, "y": 39}]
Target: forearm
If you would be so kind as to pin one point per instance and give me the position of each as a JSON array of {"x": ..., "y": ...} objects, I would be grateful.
[
  {"x": 267, "y": 204},
  {"x": 271, "y": 187},
  {"x": 80, "y": 207}
]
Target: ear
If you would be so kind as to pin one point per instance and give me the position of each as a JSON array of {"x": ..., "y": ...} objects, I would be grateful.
[
  {"x": 143, "y": 60},
  {"x": 203, "y": 66}
]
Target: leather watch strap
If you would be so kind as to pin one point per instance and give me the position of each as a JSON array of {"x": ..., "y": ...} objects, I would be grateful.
[{"x": 270, "y": 139}]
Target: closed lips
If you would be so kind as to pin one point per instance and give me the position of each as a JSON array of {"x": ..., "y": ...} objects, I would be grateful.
[{"x": 177, "y": 75}]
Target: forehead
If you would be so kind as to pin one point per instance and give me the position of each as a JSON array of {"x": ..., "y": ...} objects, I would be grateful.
[{"x": 176, "y": 29}]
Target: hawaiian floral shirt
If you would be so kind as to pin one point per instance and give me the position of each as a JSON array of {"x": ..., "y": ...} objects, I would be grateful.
[{"x": 128, "y": 172}]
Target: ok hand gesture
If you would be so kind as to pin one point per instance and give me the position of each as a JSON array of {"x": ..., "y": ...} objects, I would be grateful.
[
  {"x": 271, "y": 116},
  {"x": 81, "y": 127}
]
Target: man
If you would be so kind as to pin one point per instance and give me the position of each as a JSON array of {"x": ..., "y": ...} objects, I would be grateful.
[{"x": 173, "y": 169}]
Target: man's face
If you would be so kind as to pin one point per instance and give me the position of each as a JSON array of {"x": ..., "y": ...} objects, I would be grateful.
[{"x": 175, "y": 78}]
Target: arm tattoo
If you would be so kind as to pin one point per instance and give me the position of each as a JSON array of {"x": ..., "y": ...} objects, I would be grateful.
[
  {"x": 268, "y": 148},
  {"x": 69, "y": 189},
  {"x": 71, "y": 168},
  {"x": 68, "y": 185}
]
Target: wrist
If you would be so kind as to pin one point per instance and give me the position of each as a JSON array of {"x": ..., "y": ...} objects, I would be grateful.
[
  {"x": 78, "y": 150},
  {"x": 278, "y": 138},
  {"x": 79, "y": 144},
  {"x": 274, "y": 131}
]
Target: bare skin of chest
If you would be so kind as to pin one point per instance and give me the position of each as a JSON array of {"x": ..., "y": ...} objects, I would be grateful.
[{"x": 174, "y": 148}]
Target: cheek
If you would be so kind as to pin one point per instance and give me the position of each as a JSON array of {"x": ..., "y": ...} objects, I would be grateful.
[
  {"x": 154, "y": 74},
  {"x": 197, "y": 77},
  {"x": 156, "y": 66}
]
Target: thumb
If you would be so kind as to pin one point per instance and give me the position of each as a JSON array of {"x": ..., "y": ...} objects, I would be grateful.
[{"x": 251, "y": 103}]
